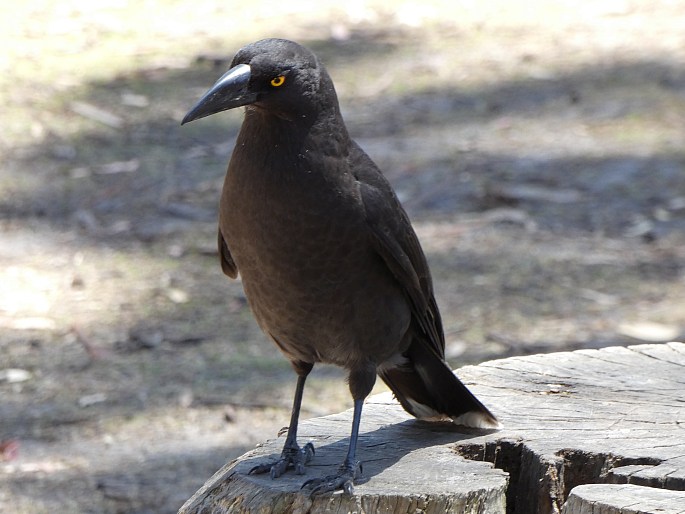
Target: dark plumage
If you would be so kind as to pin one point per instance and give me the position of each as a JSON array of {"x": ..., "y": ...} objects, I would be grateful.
[{"x": 331, "y": 266}]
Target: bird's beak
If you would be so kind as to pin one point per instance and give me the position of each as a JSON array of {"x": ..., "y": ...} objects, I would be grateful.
[{"x": 230, "y": 91}]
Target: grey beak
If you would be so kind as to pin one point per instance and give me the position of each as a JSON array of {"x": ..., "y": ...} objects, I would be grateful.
[{"x": 230, "y": 91}]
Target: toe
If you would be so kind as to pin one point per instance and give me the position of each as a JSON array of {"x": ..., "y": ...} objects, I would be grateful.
[
  {"x": 309, "y": 452},
  {"x": 344, "y": 480},
  {"x": 292, "y": 456},
  {"x": 259, "y": 469},
  {"x": 279, "y": 468}
]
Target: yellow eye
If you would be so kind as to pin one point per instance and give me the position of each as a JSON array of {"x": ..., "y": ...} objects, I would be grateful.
[{"x": 278, "y": 81}]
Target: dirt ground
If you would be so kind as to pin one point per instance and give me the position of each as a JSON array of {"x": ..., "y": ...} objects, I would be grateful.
[{"x": 538, "y": 147}]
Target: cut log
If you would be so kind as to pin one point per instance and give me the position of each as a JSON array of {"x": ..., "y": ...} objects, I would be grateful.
[
  {"x": 623, "y": 499},
  {"x": 409, "y": 466},
  {"x": 610, "y": 416}
]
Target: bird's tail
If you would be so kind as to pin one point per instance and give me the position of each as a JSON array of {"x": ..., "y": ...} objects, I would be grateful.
[{"x": 427, "y": 389}]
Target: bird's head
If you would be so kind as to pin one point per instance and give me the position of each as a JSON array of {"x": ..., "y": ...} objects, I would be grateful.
[{"x": 274, "y": 75}]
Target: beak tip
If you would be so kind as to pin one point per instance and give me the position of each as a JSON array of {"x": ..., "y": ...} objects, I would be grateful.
[
  {"x": 193, "y": 115},
  {"x": 228, "y": 92}
]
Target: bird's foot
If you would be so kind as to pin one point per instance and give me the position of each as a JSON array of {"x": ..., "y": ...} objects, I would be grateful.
[
  {"x": 344, "y": 479},
  {"x": 293, "y": 456}
]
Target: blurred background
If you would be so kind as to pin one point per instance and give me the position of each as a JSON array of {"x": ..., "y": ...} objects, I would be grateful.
[{"x": 539, "y": 147}]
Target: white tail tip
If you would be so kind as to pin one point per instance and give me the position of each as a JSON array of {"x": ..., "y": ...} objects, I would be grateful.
[{"x": 477, "y": 419}]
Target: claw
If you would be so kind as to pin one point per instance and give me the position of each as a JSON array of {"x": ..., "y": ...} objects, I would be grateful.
[
  {"x": 290, "y": 457},
  {"x": 344, "y": 480},
  {"x": 309, "y": 452},
  {"x": 306, "y": 484},
  {"x": 259, "y": 469}
]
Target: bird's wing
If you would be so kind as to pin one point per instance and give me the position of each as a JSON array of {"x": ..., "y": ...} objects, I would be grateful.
[
  {"x": 395, "y": 241},
  {"x": 227, "y": 264}
]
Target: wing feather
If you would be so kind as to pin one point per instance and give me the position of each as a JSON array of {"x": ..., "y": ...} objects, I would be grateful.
[
  {"x": 227, "y": 264},
  {"x": 396, "y": 242}
]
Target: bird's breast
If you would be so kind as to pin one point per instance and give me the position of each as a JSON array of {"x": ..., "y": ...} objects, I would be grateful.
[
  {"x": 299, "y": 239},
  {"x": 291, "y": 230}
]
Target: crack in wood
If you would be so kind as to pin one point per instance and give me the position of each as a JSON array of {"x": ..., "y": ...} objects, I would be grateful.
[{"x": 539, "y": 484}]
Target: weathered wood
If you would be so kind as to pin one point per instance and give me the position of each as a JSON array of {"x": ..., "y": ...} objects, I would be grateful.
[
  {"x": 623, "y": 499},
  {"x": 582, "y": 417},
  {"x": 614, "y": 415},
  {"x": 409, "y": 467}
]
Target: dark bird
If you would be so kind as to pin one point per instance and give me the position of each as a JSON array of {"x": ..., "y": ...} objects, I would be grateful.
[{"x": 329, "y": 261}]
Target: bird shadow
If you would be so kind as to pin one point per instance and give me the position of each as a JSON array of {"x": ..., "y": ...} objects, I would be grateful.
[{"x": 378, "y": 450}]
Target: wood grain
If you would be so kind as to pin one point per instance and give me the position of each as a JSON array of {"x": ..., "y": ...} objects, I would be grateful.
[{"x": 610, "y": 416}]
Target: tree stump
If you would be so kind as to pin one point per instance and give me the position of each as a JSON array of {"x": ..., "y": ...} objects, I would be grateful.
[
  {"x": 610, "y": 416},
  {"x": 623, "y": 499}
]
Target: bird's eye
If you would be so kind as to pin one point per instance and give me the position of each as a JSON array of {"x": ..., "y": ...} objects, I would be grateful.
[{"x": 278, "y": 81}]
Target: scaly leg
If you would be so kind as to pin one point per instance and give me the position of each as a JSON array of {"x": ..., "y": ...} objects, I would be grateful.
[
  {"x": 292, "y": 455},
  {"x": 349, "y": 470}
]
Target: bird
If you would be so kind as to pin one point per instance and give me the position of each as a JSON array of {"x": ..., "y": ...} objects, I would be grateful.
[{"x": 331, "y": 266}]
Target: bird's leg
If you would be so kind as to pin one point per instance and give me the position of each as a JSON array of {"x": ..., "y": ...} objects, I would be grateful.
[
  {"x": 349, "y": 470},
  {"x": 292, "y": 455},
  {"x": 361, "y": 382}
]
